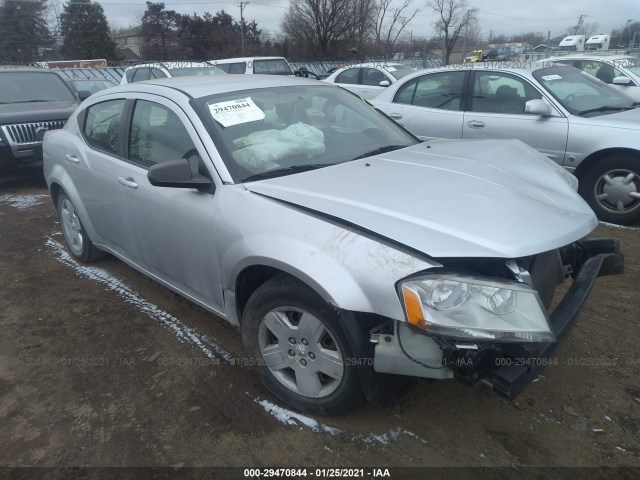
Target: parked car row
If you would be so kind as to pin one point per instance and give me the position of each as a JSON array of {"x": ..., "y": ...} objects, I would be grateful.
[
  {"x": 346, "y": 251},
  {"x": 573, "y": 118}
]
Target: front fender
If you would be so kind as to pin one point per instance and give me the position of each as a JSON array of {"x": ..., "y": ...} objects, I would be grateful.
[{"x": 348, "y": 269}]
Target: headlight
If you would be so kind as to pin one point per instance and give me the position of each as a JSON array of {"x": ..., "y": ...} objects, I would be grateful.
[{"x": 470, "y": 308}]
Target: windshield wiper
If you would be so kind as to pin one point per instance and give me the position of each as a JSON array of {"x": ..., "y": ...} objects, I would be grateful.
[
  {"x": 605, "y": 108},
  {"x": 377, "y": 151},
  {"x": 278, "y": 172}
]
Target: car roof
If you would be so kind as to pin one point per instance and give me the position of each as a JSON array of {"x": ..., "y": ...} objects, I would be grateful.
[
  {"x": 25, "y": 69},
  {"x": 590, "y": 57},
  {"x": 168, "y": 65},
  {"x": 244, "y": 59},
  {"x": 201, "y": 86}
]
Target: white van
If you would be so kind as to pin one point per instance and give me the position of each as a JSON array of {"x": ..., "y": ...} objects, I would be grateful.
[{"x": 257, "y": 65}]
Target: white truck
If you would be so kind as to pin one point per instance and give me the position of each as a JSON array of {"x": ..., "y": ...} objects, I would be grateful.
[
  {"x": 598, "y": 42},
  {"x": 572, "y": 43}
]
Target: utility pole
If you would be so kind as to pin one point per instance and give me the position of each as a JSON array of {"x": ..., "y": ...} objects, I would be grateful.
[
  {"x": 242, "y": 5},
  {"x": 575, "y": 30}
]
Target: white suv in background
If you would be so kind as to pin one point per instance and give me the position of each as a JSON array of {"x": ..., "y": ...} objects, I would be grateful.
[{"x": 150, "y": 71}]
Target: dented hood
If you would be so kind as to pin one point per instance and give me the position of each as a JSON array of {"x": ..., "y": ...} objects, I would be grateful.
[{"x": 450, "y": 198}]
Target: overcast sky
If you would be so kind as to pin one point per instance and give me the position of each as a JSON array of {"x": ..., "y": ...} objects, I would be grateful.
[{"x": 500, "y": 16}]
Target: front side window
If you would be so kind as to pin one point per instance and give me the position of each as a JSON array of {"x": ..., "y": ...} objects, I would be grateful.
[
  {"x": 275, "y": 66},
  {"x": 102, "y": 125},
  {"x": 30, "y": 86},
  {"x": 157, "y": 135},
  {"x": 349, "y": 76},
  {"x": 499, "y": 92},
  {"x": 283, "y": 129},
  {"x": 438, "y": 90},
  {"x": 373, "y": 77}
]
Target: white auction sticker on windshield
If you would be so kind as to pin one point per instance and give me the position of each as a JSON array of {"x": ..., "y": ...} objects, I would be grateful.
[
  {"x": 548, "y": 78},
  {"x": 235, "y": 112}
]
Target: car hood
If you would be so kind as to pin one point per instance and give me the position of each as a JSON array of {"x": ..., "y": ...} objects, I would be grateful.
[
  {"x": 507, "y": 201},
  {"x": 36, "y": 111}
]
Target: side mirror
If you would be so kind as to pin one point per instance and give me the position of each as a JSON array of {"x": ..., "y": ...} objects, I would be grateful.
[
  {"x": 537, "y": 107},
  {"x": 84, "y": 94},
  {"x": 176, "y": 174},
  {"x": 622, "y": 80},
  {"x": 385, "y": 83}
]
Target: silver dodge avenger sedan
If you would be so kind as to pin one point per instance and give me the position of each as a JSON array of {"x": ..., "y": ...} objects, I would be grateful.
[{"x": 341, "y": 247}]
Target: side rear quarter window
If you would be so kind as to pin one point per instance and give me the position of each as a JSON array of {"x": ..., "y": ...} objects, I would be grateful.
[{"x": 102, "y": 125}]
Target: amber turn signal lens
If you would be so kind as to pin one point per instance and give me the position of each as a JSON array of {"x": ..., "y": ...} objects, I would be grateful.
[{"x": 413, "y": 306}]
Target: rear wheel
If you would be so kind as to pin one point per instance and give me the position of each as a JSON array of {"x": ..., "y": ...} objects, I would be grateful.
[
  {"x": 612, "y": 188},
  {"x": 301, "y": 351},
  {"x": 78, "y": 241}
]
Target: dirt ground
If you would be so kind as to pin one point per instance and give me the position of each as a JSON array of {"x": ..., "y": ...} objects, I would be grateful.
[{"x": 100, "y": 366}]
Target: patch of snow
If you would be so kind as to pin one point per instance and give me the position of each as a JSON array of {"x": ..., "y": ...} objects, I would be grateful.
[
  {"x": 622, "y": 227},
  {"x": 166, "y": 320},
  {"x": 22, "y": 202}
]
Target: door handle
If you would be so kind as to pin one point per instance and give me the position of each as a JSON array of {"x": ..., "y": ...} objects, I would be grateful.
[
  {"x": 71, "y": 158},
  {"x": 475, "y": 124},
  {"x": 395, "y": 116},
  {"x": 128, "y": 182}
]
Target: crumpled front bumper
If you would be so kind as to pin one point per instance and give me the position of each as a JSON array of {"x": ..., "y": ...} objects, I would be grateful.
[{"x": 601, "y": 256}]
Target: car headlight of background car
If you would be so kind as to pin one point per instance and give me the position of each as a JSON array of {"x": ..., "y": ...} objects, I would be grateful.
[{"x": 474, "y": 309}]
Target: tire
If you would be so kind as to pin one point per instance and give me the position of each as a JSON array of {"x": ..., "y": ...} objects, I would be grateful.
[
  {"x": 611, "y": 187},
  {"x": 300, "y": 348},
  {"x": 78, "y": 241}
]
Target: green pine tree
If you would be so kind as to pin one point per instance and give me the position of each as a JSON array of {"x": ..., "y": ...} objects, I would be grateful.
[
  {"x": 85, "y": 30},
  {"x": 23, "y": 30}
]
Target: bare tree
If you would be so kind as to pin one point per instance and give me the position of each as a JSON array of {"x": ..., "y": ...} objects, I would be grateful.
[
  {"x": 321, "y": 26},
  {"x": 363, "y": 23},
  {"x": 390, "y": 22},
  {"x": 454, "y": 16}
]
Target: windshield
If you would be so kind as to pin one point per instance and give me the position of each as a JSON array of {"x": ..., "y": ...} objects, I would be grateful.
[
  {"x": 276, "y": 66},
  {"x": 581, "y": 93},
  {"x": 92, "y": 86},
  {"x": 187, "y": 71},
  {"x": 21, "y": 87},
  {"x": 631, "y": 64},
  {"x": 288, "y": 129},
  {"x": 399, "y": 71}
]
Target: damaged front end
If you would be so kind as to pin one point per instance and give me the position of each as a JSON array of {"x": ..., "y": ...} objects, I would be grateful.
[{"x": 492, "y": 319}]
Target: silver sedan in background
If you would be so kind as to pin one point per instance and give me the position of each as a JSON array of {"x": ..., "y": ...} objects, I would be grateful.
[
  {"x": 573, "y": 118},
  {"x": 341, "y": 246}
]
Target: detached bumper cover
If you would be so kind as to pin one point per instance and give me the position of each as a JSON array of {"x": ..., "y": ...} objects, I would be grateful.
[{"x": 601, "y": 257}]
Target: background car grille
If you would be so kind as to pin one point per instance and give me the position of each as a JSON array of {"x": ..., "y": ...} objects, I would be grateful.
[{"x": 26, "y": 133}]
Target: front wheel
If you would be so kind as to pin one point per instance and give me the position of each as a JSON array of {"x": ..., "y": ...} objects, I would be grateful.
[
  {"x": 299, "y": 346},
  {"x": 611, "y": 187}
]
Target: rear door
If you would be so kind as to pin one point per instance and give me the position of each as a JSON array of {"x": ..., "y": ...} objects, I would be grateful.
[
  {"x": 430, "y": 106},
  {"x": 496, "y": 111},
  {"x": 95, "y": 166}
]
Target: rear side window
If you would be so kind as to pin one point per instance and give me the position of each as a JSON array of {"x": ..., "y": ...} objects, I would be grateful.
[
  {"x": 349, "y": 76},
  {"x": 102, "y": 125},
  {"x": 436, "y": 90},
  {"x": 238, "y": 68},
  {"x": 141, "y": 74}
]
